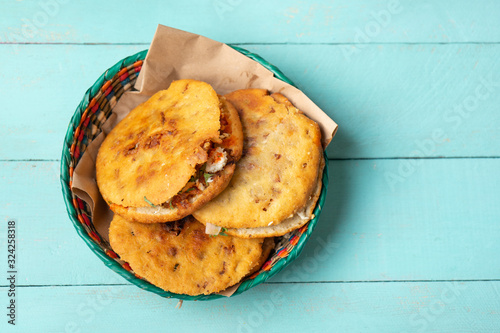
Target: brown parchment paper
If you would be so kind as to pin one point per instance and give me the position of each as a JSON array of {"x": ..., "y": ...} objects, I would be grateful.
[{"x": 175, "y": 54}]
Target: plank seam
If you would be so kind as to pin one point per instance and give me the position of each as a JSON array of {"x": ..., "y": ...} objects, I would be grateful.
[
  {"x": 30, "y": 160},
  {"x": 329, "y": 159},
  {"x": 411, "y": 158},
  {"x": 387, "y": 281},
  {"x": 305, "y": 282},
  {"x": 256, "y": 43}
]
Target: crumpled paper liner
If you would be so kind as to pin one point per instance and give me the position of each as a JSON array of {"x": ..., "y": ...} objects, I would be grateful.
[{"x": 176, "y": 54}]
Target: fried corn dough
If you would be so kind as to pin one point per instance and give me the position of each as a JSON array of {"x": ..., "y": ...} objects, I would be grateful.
[
  {"x": 279, "y": 169},
  {"x": 151, "y": 166},
  {"x": 179, "y": 257}
]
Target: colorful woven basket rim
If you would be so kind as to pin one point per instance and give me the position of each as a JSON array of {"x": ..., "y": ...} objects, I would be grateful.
[{"x": 82, "y": 223}]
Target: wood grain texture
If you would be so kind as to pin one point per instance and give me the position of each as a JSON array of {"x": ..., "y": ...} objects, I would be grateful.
[
  {"x": 401, "y": 100},
  {"x": 390, "y": 100},
  {"x": 43, "y": 87},
  {"x": 407, "y": 242},
  {"x": 49, "y": 249},
  {"x": 342, "y": 21},
  {"x": 438, "y": 223},
  {"x": 359, "y": 307}
]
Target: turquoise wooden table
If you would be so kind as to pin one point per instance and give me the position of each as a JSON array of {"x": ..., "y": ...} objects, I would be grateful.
[{"x": 409, "y": 238}]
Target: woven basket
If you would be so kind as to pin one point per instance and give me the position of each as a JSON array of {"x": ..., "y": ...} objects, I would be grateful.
[{"x": 90, "y": 115}]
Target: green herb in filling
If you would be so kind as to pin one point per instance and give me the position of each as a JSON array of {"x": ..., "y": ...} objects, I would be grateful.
[
  {"x": 149, "y": 202},
  {"x": 207, "y": 176},
  {"x": 222, "y": 232}
]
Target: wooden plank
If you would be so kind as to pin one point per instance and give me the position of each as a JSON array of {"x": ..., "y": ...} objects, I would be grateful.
[
  {"x": 389, "y": 100},
  {"x": 437, "y": 222},
  {"x": 405, "y": 220},
  {"x": 359, "y": 307},
  {"x": 394, "y": 231},
  {"x": 343, "y": 21},
  {"x": 40, "y": 100},
  {"x": 401, "y": 100},
  {"x": 49, "y": 251}
]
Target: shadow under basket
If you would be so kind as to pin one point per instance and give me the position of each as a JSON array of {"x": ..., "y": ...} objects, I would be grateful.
[{"x": 90, "y": 115}]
